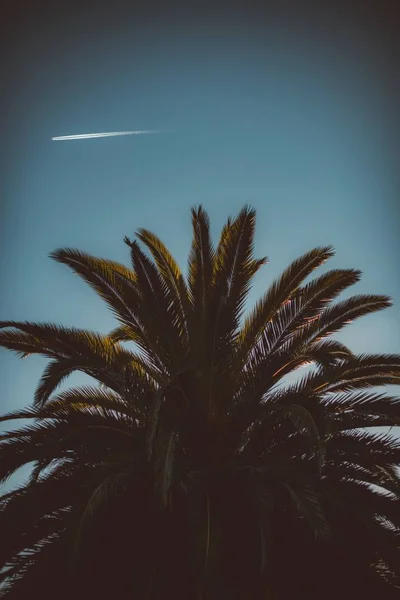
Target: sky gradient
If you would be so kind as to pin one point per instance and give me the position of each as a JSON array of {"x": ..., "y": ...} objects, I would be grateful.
[{"x": 298, "y": 126}]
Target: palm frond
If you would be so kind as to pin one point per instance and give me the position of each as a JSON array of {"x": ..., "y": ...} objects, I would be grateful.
[
  {"x": 304, "y": 307},
  {"x": 114, "y": 282},
  {"x": 369, "y": 403},
  {"x": 200, "y": 273},
  {"x": 363, "y": 447},
  {"x": 342, "y": 313},
  {"x": 278, "y": 293},
  {"x": 162, "y": 332},
  {"x": 53, "y": 375},
  {"x": 201, "y": 258},
  {"x": 172, "y": 276},
  {"x": 234, "y": 268}
]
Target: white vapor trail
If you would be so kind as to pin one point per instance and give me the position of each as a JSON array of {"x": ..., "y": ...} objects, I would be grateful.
[{"x": 89, "y": 136}]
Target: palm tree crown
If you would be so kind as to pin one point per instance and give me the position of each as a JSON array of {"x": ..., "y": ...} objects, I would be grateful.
[{"x": 193, "y": 469}]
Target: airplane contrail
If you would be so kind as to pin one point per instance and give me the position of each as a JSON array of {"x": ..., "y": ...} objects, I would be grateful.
[{"x": 88, "y": 136}]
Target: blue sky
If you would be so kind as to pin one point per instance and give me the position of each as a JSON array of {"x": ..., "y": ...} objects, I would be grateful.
[{"x": 299, "y": 129}]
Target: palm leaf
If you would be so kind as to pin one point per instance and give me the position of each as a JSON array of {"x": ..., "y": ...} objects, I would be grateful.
[
  {"x": 304, "y": 307},
  {"x": 172, "y": 276},
  {"x": 342, "y": 313},
  {"x": 162, "y": 333},
  {"x": 53, "y": 375},
  {"x": 112, "y": 281},
  {"x": 200, "y": 273},
  {"x": 278, "y": 293}
]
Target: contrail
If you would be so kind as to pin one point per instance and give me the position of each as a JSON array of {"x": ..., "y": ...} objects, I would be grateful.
[{"x": 89, "y": 136}]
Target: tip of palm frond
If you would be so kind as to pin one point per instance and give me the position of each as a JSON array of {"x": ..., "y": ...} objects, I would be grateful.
[
  {"x": 247, "y": 210},
  {"x": 128, "y": 241},
  {"x": 199, "y": 213},
  {"x": 197, "y": 208},
  {"x": 55, "y": 254},
  {"x": 60, "y": 254},
  {"x": 327, "y": 251},
  {"x": 388, "y": 300},
  {"x": 264, "y": 260},
  {"x": 379, "y": 300}
]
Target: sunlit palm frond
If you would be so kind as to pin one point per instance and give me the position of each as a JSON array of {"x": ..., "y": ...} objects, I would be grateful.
[
  {"x": 74, "y": 349},
  {"x": 200, "y": 272},
  {"x": 114, "y": 282},
  {"x": 53, "y": 375},
  {"x": 304, "y": 308},
  {"x": 201, "y": 258},
  {"x": 234, "y": 269},
  {"x": 342, "y": 313},
  {"x": 162, "y": 332},
  {"x": 278, "y": 293},
  {"x": 174, "y": 281},
  {"x": 67, "y": 341}
]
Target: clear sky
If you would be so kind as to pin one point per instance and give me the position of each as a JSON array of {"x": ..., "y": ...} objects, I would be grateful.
[{"x": 298, "y": 128}]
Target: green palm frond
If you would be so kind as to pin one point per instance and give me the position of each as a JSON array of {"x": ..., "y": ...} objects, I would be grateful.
[
  {"x": 278, "y": 293},
  {"x": 342, "y": 313},
  {"x": 262, "y": 374},
  {"x": 327, "y": 353},
  {"x": 69, "y": 342},
  {"x": 55, "y": 372},
  {"x": 201, "y": 258},
  {"x": 234, "y": 269},
  {"x": 305, "y": 307},
  {"x": 200, "y": 273},
  {"x": 173, "y": 278},
  {"x": 122, "y": 333},
  {"x": 162, "y": 333},
  {"x": 355, "y": 370},
  {"x": 74, "y": 349},
  {"x": 114, "y": 282},
  {"x": 117, "y": 285}
]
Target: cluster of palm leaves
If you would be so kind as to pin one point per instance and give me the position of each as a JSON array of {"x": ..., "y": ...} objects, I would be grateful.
[{"x": 193, "y": 469}]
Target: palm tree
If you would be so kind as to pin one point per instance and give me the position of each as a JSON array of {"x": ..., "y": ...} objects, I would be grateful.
[{"x": 193, "y": 469}]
